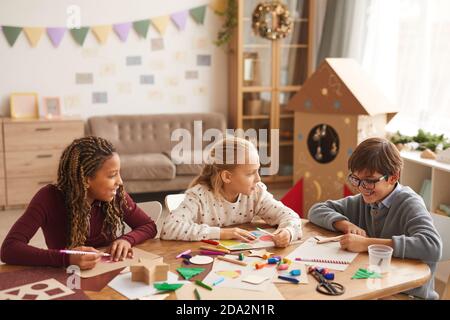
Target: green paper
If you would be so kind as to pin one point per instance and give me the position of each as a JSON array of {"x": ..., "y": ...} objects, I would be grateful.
[
  {"x": 188, "y": 273},
  {"x": 79, "y": 35},
  {"x": 167, "y": 286},
  {"x": 198, "y": 14},
  {"x": 11, "y": 34},
  {"x": 141, "y": 27},
  {"x": 365, "y": 274}
]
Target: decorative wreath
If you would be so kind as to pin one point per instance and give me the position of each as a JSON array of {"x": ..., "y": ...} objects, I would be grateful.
[{"x": 277, "y": 26}]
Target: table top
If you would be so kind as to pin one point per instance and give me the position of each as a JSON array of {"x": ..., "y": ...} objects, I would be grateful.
[{"x": 405, "y": 274}]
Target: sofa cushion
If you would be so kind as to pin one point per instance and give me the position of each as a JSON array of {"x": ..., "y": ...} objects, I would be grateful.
[
  {"x": 146, "y": 166},
  {"x": 187, "y": 165}
]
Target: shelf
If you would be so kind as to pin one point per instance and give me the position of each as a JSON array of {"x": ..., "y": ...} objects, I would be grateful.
[
  {"x": 256, "y": 117},
  {"x": 414, "y": 156},
  {"x": 247, "y": 19},
  {"x": 298, "y": 46},
  {"x": 256, "y": 89},
  {"x": 257, "y": 46},
  {"x": 286, "y": 116},
  {"x": 286, "y": 143}
]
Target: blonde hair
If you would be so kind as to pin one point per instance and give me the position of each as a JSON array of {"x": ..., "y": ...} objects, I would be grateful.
[{"x": 225, "y": 155}]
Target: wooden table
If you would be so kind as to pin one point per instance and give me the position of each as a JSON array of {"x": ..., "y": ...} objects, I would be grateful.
[{"x": 404, "y": 274}]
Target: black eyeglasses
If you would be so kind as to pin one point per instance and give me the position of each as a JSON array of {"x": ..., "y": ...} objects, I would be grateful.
[{"x": 368, "y": 184}]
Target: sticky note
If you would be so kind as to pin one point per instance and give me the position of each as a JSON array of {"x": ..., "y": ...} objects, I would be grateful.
[
  {"x": 147, "y": 79},
  {"x": 84, "y": 78},
  {"x": 134, "y": 60},
  {"x": 157, "y": 44},
  {"x": 191, "y": 74},
  {"x": 99, "y": 97},
  {"x": 204, "y": 60}
]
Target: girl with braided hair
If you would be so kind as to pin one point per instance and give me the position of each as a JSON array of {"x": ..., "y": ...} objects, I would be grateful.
[
  {"x": 86, "y": 208},
  {"x": 227, "y": 192}
]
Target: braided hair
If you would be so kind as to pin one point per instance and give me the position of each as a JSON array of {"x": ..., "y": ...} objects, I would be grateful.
[{"x": 80, "y": 160}]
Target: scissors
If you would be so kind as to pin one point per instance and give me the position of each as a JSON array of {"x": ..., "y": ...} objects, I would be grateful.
[{"x": 325, "y": 286}]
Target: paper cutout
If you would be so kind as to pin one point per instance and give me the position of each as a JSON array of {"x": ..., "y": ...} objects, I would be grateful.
[
  {"x": 191, "y": 75},
  {"x": 180, "y": 19},
  {"x": 188, "y": 273},
  {"x": 147, "y": 79},
  {"x": 84, "y": 78},
  {"x": 254, "y": 279},
  {"x": 198, "y": 14},
  {"x": 161, "y": 23},
  {"x": 79, "y": 35},
  {"x": 122, "y": 30},
  {"x": 167, "y": 286},
  {"x": 201, "y": 260},
  {"x": 102, "y": 33},
  {"x": 141, "y": 27},
  {"x": 133, "y": 60},
  {"x": 365, "y": 274},
  {"x": 157, "y": 44},
  {"x": 33, "y": 35},
  {"x": 11, "y": 34},
  {"x": 56, "y": 35},
  {"x": 259, "y": 253},
  {"x": 256, "y": 244},
  {"x": 99, "y": 97},
  {"x": 203, "y": 60},
  {"x": 231, "y": 274},
  {"x": 43, "y": 290}
]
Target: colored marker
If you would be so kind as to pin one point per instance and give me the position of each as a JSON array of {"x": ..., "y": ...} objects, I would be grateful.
[
  {"x": 197, "y": 295},
  {"x": 211, "y": 253},
  {"x": 293, "y": 280},
  {"x": 215, "y": 283},
  {"x": 184, "y": 252},
  {"x": 103, "y": 254},
  {"x": 201, "y": 284},
  {"x": 215, "y": 243}
]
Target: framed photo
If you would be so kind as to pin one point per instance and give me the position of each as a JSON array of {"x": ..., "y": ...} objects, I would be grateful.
[
  {"x": 51, "y": 107},
  {"x": 24, "y": 105}
]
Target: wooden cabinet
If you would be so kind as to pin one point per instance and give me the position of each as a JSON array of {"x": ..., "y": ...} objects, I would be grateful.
[
  {"x": 32, "y": 149},
  {"x": 264, "y": 74}
]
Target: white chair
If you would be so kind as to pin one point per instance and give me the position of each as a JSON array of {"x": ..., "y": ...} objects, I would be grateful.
[
  {"x": 174, "y": 200},
  {"x": 152, "y": 208}
]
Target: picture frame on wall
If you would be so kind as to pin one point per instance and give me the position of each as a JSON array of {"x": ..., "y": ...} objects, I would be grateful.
[
  {"x": 24, "y": 105},
  {"x": 51, "y": 107}
]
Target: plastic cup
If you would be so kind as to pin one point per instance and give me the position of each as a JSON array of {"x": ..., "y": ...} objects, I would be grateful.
[{"x": 380, "y": 258}]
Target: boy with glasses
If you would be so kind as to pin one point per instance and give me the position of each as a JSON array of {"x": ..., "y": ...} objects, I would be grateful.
[{"x": 383, "y": 211}]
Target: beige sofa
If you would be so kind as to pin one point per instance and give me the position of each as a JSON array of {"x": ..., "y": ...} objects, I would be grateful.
[{"x": 144, "y": 145}]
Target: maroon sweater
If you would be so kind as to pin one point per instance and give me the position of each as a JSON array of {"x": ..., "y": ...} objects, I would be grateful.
[{"x": 47, "y": 211}]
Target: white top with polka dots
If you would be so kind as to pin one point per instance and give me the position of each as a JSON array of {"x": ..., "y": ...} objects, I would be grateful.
[{"x": 202, "y": 214}]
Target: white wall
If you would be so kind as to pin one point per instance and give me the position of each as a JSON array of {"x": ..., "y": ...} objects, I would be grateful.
[{"x": 51, "y": 71}]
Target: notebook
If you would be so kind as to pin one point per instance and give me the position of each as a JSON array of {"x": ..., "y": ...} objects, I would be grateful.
[{"x": 327, "y": 255}]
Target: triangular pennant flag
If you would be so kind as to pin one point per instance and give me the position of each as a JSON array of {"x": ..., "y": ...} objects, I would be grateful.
[
  {"x": 141, "y": 27},
  {"x": 102, "y": 33},
  {"x": 122, "y": 30},
  {"x": 11, "y": 34},
  {"x": 33, "y": 35},
  {"x": 161, "y": 23},
  {"x": 188, "y": 273},
  {"x": 79, "y": 35},
  {"x": 219, "y": 6},
  {"x": 294, "y": 198},
  {"x": 198, "y": 14},
  {"x": 180, "y": 19},
  {"x": 56, "y": 35}
]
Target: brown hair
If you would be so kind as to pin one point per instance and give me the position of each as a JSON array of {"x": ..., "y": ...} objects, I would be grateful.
[
  {"x": 218, "y": 161},
  {"x": 376, "y": 155},
  {"x": 82, "y": 159}
]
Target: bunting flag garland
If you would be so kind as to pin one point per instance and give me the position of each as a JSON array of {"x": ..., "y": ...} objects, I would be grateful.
[
  {"x": 11, "y": 34},
  {"x": 56, "y": 35},
  {"x": 102, "y": 33},
  {"x": 122, "y": 30},
  {"x": 33, "y": 35},
  {"x": 79, "y": 35},
  {"x": 141, "y": 27},
  {"x": 161, "y": 23}
]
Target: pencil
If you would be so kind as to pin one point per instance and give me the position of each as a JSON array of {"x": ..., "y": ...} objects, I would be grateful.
[
  {"x": 209, "y": 248},
  {"x": 241, "y": 263},
  {"x": 264, "y": 231},
  {"x": 215, "y": 243},
  {"x": 201, "y": 284},
  {"x": 103, "y": 254},
  {"x": 197, "y": 295}
]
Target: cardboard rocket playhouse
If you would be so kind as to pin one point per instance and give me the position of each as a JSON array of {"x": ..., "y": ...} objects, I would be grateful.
[{"x": 337, "y": 108}]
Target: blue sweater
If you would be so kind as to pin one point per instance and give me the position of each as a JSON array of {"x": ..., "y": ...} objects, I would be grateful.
[{"x": 405, "y": 220}]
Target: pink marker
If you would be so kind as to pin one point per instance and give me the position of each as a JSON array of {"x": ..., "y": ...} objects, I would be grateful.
[
  {"x": 184, "y": 252},
  {"x": 212, "y": 253}
]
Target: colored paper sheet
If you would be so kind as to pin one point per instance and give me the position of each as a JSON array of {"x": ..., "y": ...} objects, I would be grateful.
[
  {"x": 33, "y": 35},
  {"x": 141, "y": 27},
  {"x": 198, "y": 14},
  {"x": 180, "y": 19},
  {"x": 102, "y": 33},
  {"x": 167, "y": 286},
  {"x": 122, "y": 30},
  {"x": 79, "y": 35},
  {"x": 11, "y": 34},
  {"x": 56, "y": 35},
  {"x": 188, "y": 273},
  {"x": 161, "y": 23}
]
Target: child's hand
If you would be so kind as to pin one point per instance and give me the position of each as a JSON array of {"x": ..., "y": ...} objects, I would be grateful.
[
  {"x": 354, "y": 243},
  {"x": 236, "y": 233},
  {"x": 120, "y": 249},
  {"x": 282, "y": 238},
  {"x": 348, "y": 227},
  {"x": 85, "y": 261}
]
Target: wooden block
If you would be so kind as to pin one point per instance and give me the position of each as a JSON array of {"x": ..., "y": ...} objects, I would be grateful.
[{"x": 149, "y": 271}]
